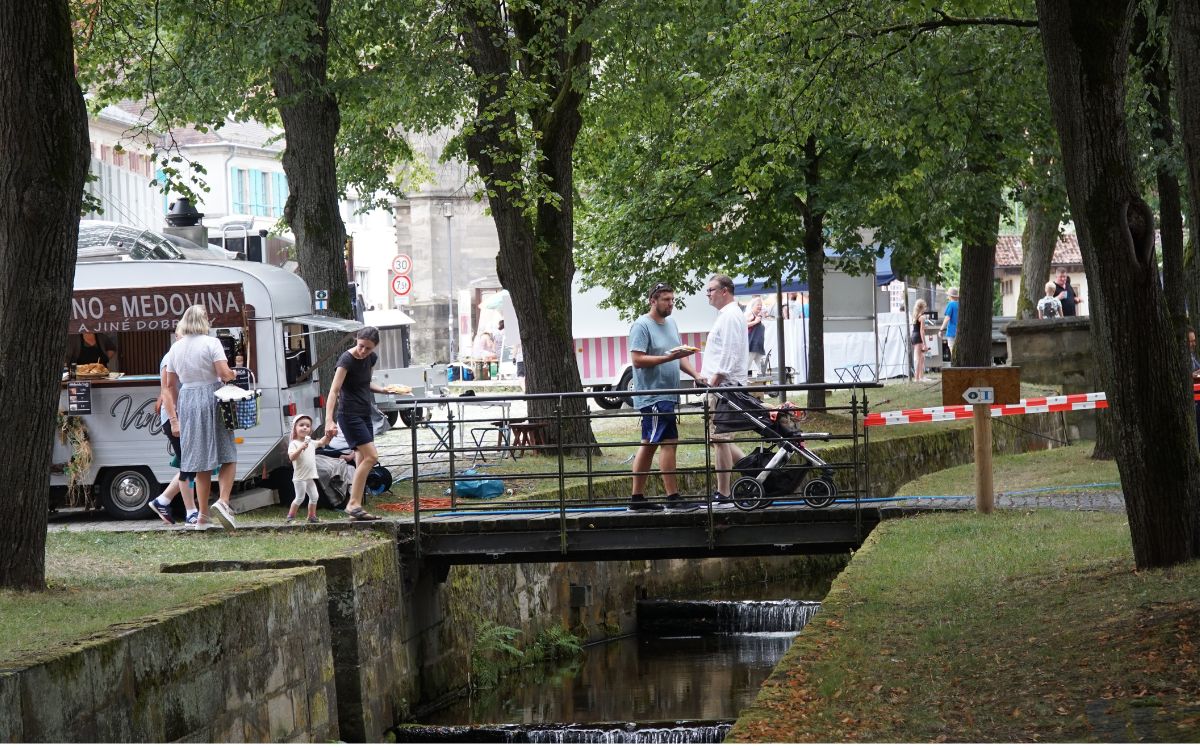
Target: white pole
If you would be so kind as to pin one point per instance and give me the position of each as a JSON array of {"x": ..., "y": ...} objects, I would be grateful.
[{"x": 448, "y": 212}]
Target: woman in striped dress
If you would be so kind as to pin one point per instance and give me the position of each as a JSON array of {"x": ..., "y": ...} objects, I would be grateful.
[{"x": 196, "y": 368}]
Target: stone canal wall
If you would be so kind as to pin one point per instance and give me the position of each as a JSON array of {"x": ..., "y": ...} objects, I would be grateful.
[
  {"x": 250, "y": 665},
  {"x": 368, "y": 618}
]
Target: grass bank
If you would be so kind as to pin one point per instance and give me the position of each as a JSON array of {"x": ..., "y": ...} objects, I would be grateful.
[
  {"x": 1013, "y": 627},
  {"x": 96, "y": 581},
  {"x": 1065, "y": 467}
]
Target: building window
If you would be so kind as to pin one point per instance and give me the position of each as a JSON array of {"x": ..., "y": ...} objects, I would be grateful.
[{"x": 258, "y": 193}]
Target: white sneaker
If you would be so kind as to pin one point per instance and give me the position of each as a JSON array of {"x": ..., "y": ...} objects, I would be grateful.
[{"x": 224, "y": 515}]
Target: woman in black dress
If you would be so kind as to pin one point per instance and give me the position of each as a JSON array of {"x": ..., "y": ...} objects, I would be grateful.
[{"x": 349, "y": 409}]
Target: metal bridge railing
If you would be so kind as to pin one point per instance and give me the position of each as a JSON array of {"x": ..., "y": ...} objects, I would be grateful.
[{"x": 554, "y": 441}]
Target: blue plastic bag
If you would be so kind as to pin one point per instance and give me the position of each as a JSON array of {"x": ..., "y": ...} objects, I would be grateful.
[{"x": 483, "y": 488}]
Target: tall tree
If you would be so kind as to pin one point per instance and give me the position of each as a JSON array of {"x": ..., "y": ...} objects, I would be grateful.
[
  {"x": 1150, "y": 53},
  {"x": 1086, "y": 47},
  {"x": 43, "y": 162},
  {"x": 529, "y": 69},
  {"x": 1185, "y": 51}
]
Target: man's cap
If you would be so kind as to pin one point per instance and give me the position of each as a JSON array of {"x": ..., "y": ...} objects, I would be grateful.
[{"x": 952, "y": 292}]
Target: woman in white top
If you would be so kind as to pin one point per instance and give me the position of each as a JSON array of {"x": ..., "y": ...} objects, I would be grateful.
[{"x": 196, "y": 368}]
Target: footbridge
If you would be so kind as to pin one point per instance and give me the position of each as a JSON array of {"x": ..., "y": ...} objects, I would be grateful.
[{"x": 515, "y": 478}]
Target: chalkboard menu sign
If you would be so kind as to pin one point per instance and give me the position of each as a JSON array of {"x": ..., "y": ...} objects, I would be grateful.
[{"x": 79, "y": 397}]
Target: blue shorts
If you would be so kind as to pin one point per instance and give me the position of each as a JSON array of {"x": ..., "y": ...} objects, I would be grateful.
[
  {"x": 355, "y": 429},
  {"x": 658, "y": 422}
]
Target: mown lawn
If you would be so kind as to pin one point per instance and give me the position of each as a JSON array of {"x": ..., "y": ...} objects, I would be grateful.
[
  {"x": 1019, "y": 626},
  {"x": 97, "y": 580}
]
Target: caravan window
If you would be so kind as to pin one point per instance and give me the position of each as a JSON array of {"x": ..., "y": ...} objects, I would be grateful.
[{"x": 297, "y": 352}]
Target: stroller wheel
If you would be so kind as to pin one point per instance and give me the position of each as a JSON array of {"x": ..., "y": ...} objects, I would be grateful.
[
  {"x": 819, "y": 492},
  {"x": 747, "y": 493}
]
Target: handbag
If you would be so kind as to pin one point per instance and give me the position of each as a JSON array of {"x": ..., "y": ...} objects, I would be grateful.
[{"x": 238, "y": 407}]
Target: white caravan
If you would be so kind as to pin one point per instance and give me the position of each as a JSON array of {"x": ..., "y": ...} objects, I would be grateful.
[{"x": 259, "y": 311}]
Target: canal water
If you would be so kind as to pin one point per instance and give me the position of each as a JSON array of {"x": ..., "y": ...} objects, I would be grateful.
[{"x": 694, "y": 665}]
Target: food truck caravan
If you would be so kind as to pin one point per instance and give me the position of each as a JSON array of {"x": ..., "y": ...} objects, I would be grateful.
[{"x": 258, "y": 311}]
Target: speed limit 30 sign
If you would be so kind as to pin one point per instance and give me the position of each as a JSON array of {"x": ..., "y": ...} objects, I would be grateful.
[{"x": 402, "y": 265}]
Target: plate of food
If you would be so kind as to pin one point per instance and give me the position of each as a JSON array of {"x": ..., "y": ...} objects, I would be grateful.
[
  {"x": 685, "y": 348},
  {"x": 96, "y": 370},
  {"x": 399, "y": 390}
]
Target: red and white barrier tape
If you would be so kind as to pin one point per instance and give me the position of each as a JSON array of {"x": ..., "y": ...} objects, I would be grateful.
[{"x": 1072, "y": 402}]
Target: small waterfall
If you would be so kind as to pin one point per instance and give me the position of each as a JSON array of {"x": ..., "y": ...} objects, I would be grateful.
[
  {"x": 665, "y": 733},
  {"x": 785, "y": 616},
  {"x": 633, "y": 734},
  {"x": 727, "y": 617}
]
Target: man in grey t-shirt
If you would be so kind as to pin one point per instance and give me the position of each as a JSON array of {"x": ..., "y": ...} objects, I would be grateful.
[{"x": 655, "y": 347}]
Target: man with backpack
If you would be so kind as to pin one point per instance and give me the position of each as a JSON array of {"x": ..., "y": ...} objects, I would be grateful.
[{"x": 1049, "y": 306}]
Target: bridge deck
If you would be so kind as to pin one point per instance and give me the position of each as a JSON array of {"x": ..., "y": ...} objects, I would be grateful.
[{"x": 613, "y": 534}]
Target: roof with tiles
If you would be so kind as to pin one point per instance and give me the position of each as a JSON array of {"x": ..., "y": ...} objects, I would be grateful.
[{"x": 1009, "y": 251}]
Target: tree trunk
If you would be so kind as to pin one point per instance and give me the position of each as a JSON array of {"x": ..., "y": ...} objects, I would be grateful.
[
  {"x": 1038, "y": 241},
  {"x": 1140, "y": 360},
  {"x": 814, "y": 260},
  {"x": 1148, "y": 50},
  {"x": 973, "y": 344},
  {"x": 536, "y": 261},
  {"x": 311, "y": 120},
  {"x": 1185, "y": 47},
  {"x": 43, "y": 162}
]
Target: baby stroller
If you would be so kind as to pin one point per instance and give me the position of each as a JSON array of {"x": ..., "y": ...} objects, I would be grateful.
[{"x": 786, "y": 467}]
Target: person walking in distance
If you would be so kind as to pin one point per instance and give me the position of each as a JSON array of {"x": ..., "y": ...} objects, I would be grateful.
[
  {"x": 917, "y": 339},
  {"x": 1065, "y": 292},
  {"x": 196, "y": 368},
  {"x": 725, "y": 356},
  {"x": 658, "y": 357},
  {"x": 949, "y": 327},
  {"x": 1049, "y": 306},
  {"x": 756, "y": 333}
]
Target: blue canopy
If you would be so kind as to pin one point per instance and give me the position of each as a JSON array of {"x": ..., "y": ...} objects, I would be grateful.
[{"x": 883, "y": 277}]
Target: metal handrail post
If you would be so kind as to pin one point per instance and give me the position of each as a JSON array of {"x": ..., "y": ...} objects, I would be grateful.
[
  {"x": 416, "y": 492},
  {"x": 562, "y": 481},
  {"x": 708, "y": 479},
  {"x": 450, "y": 451},
  {"x": 857, "y": 463}
]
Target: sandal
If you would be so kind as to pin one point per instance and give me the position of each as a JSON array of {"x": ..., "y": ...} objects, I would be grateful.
[{"x": 358, "y": 514}]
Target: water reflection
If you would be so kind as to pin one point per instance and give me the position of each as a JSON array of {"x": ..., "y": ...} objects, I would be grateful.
[
  {"x": 695, "y": 665},
  {"x": 633, "y": 680}
]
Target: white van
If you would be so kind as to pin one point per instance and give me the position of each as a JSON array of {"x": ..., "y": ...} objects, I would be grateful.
[{"x": 259, "y": 311}]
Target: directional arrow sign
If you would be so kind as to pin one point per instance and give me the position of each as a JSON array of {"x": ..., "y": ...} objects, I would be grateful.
[{"x": 979, "y": 395}]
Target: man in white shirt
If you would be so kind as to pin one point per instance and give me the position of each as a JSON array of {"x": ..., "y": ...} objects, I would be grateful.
[{"x": 725, "y": 364}]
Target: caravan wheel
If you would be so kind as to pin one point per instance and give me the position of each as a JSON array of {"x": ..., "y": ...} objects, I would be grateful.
[{"x": 125, "y": 491}]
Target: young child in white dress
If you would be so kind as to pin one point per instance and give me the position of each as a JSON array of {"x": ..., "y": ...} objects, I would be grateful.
[{"x": 303, "y": 453}]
